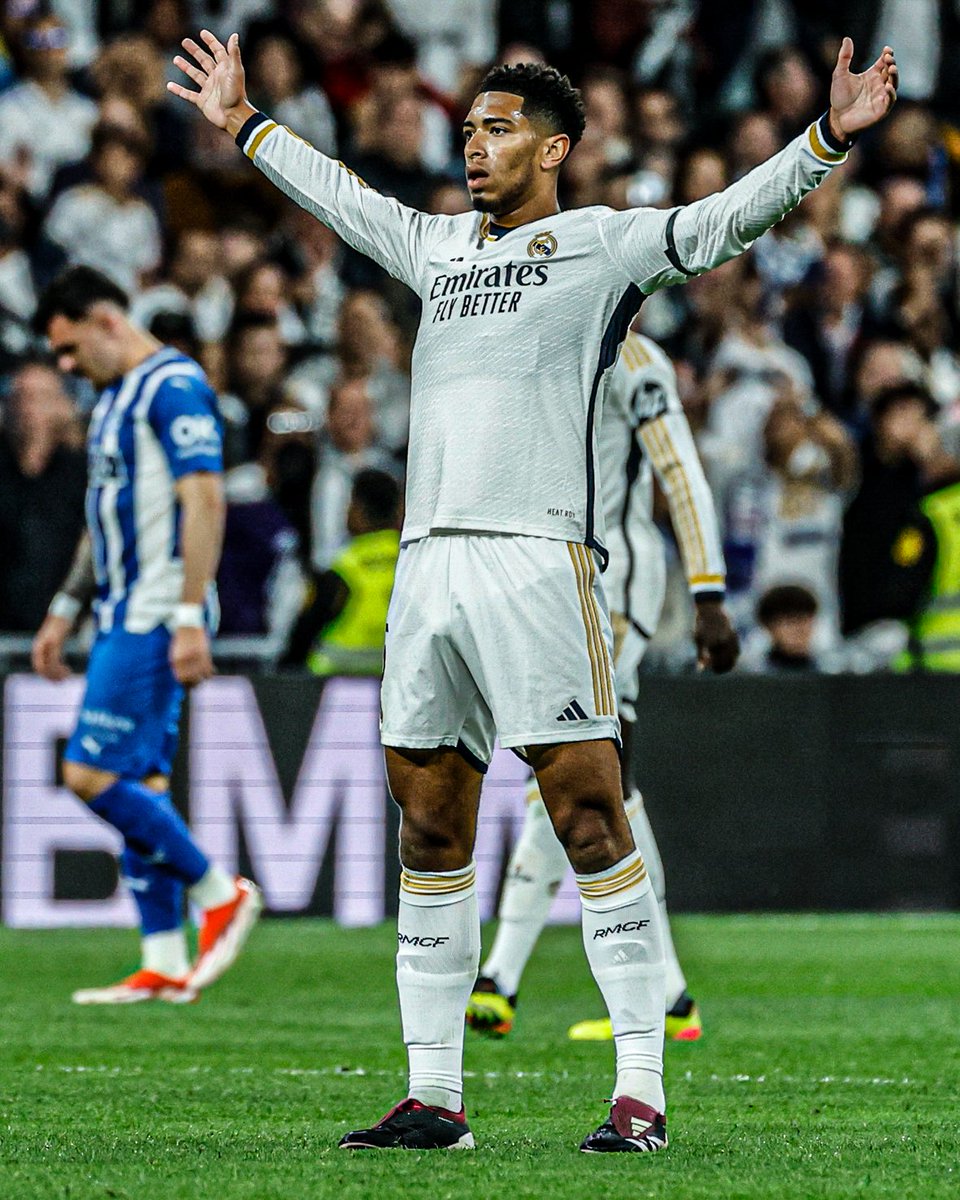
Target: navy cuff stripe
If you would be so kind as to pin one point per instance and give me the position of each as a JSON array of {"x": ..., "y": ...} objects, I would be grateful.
[
  {"x": 823, "y": 128},
  {"x": 671, "y": 248},
  {"x": 247, "y": 128},
  {"x": 715, "y": 594}
]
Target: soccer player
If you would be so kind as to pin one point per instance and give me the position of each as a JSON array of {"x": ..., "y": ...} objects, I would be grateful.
[
  {"x": 643, "y": 432},
  {"x": 147, "y": 560},
  {"x": 498, "y": 621}
]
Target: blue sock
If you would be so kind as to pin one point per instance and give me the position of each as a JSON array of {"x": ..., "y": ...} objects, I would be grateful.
[
  {"x": 154, "y": 830},
  {"x": 158, "y": 894}
]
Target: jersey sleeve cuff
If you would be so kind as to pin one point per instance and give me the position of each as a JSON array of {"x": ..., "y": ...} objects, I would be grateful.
[
  {"x": 824, "y": 146},
  {"x": 705, "y": 588},
  {"x": 253, "y": 131}
]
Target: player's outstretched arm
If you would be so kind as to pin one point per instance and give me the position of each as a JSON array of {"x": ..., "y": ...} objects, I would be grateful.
[
  {"x": 655, "y": 249},
  {"x": 75, "y": 594},
  {"x": 388, "y": 232}
]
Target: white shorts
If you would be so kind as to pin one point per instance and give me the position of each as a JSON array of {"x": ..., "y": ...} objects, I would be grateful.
[
  {"x": 497, "y": 634},
  {"x": 629, "y": 645}
]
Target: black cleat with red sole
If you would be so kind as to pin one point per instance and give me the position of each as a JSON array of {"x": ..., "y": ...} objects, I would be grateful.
[
  {"x": 411, "y": 1125},
  {"x": 633, "y": 1127}
]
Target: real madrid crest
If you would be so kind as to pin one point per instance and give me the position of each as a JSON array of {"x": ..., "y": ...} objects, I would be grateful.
[{"x": 542, "y": 245}]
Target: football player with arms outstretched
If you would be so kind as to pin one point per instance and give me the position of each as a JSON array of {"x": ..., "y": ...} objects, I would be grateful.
[{"x": 498, "y": 622}]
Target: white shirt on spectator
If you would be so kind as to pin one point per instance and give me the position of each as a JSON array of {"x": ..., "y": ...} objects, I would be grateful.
[
  {"x": 330, "y": 498},
  {"x": 52, "y": 132},
  {"x": 449, "y": 36},
  {"x": 120, "y": 239},
  {"x": 210, "y": 309}
]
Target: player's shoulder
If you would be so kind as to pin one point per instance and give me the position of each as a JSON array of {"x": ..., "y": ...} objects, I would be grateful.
[{"x": 177, "y": 377}]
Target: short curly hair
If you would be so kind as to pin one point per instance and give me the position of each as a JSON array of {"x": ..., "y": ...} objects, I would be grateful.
[{"x": 549, "y": 96}]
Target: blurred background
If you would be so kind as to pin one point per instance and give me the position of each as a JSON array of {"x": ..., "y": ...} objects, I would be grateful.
[{"x": 820, "y": 372}]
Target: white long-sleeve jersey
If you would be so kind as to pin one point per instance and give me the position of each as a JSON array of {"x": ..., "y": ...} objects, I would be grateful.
[
  {"x": 520, "y": 326},
  {"x": 643, "y": 432}
]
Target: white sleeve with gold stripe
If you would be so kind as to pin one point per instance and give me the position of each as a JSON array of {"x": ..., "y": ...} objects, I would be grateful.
[
  {"x": 669, "y": 445},
  {"x": 656, "y": 247},
  {"x": 385, "y": 230}
]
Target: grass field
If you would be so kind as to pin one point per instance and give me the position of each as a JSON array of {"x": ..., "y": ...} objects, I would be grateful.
[{"x": 830, "y": 1068}]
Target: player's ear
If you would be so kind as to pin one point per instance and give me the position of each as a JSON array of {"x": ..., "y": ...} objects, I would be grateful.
[{"x": 555, "y": 150}]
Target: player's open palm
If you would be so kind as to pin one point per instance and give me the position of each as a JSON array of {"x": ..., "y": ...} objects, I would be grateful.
[
  {"x": 859, "y": 101},
  {"x": 218, "y": 73}
]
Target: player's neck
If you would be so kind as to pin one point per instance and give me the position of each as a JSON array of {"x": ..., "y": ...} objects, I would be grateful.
[
  {"x": 535, "y": 208},
  {"x": 138, "y": 347}
]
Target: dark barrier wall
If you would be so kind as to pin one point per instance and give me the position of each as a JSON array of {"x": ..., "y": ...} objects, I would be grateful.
[{"x": 820, "y": 793}]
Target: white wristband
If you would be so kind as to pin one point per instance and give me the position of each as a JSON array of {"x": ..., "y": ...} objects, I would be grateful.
[
  {"x": 188, "y": 616},
  {"x": 65, "y": 606}
]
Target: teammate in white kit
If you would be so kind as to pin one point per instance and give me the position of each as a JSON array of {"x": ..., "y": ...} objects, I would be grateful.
[
  {"x": 498, "y": 622},
  {"x": 643, "y": 432}
]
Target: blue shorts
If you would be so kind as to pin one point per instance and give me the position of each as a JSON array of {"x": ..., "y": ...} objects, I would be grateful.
[{"x": 131, "y": 709}]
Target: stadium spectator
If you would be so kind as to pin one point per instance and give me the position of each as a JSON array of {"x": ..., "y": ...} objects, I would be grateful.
[
  {"x": 901, "y": 456},
  {"x": 276, "y": 82},
  {"x": 787, "y": 614},
  {"x": 341, "y": 629},
  {"x": 44, "y": 122},
  {"x": 192, "y": 284},
  {"x": 348, "y": 444},
  {"x": 105, "y": 223},
  {"x": 42, "y": 482},
  {"x": 783, "y": 516},
  {"x": 260, "y": 581}
]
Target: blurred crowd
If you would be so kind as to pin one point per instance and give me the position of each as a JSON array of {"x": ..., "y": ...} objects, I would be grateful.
[{"x": 820, "y": 372}]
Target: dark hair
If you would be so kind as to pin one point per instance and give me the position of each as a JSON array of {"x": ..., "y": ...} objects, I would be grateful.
[
  {"x": 73, "y": 293},
  {"x": 175, "y": 329},
  {"x": 786, "y": 600},
  {"x": 549, "y": 96},
  {"x": 378, "y": 494},
  {"x": 105, "y": 135},
  {"x": 901, "y": 393}
]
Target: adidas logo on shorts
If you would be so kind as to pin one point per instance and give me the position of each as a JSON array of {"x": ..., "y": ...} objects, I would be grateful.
[{"x": 573, "y": 712}]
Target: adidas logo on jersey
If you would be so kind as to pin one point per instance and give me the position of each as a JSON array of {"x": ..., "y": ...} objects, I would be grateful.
[{"x": 573, "y": 712}]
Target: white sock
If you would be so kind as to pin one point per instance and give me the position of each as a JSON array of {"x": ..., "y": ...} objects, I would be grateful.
[
  {"x": 676, "y": 983},
  {"x": 621, "y": 935},
  {"x": 438, "y": 952},
  {"x": 537, "y": 866},
  {"x": 213, "y": 889},
  {"x": 165, "y": 953}
]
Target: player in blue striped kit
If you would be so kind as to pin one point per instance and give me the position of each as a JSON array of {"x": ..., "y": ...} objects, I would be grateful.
[{"x": 147, "y": 561}]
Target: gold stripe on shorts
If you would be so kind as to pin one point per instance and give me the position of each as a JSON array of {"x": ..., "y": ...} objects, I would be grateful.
[
  {"x": 591, "y": 645},
  {"x": 605, "y": 667}
]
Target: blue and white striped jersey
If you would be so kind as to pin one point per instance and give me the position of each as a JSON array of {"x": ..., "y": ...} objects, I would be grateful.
[{"x": 156, "y": 424}]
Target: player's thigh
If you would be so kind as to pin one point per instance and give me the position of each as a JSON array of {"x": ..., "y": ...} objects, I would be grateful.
[
  {"x": 539, "y": 640},
  {"x": 131, "y": 706},
  {"x": 429, "y": 698}
]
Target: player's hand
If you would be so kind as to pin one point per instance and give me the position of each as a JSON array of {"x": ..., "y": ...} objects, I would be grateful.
[
  {"x": 218, "y": 73},
  {"x": 859, "y": 101},
  {"x": 718, "y": 646},
  {"x": 46, "y": 653},
  {"x": 190, "y": 656}
]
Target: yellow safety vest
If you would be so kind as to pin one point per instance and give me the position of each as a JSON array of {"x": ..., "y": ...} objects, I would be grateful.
[
  {"x": 352, "y": 644},
  {"x": 935, "y": 633}
]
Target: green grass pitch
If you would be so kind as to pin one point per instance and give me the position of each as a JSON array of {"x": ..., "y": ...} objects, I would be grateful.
[{"x": 830, "y": 1067}]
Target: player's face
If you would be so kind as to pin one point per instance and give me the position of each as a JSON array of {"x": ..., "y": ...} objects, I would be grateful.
[
  {"x": 502, "y": 150},
  {"x": 86, "y": 347}
]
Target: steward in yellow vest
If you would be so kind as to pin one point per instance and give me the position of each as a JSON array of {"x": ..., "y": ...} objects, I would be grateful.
[
  {"x": 341, "y": 629},
  {"x": 929, "y": 549}
]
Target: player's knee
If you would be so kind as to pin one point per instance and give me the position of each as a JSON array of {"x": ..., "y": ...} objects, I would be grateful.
[
  {"x": 85, "y": 782},
  {"x": 592, "y": 835},
  {"x": 433, "y": 840}
]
